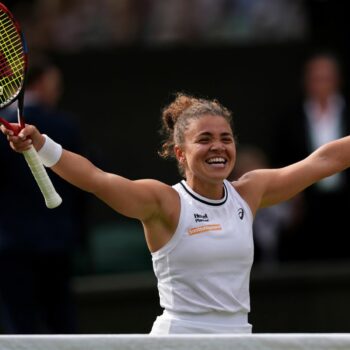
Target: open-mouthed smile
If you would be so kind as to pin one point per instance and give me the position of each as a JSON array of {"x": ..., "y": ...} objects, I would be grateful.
[{"x": 216, "y": 161}]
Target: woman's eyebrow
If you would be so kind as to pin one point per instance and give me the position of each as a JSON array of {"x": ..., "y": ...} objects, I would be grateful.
[
  {"x": 205, "y": 133},
  {"x": 226, "y": 134},
  {"x": 208, "y": 133}
]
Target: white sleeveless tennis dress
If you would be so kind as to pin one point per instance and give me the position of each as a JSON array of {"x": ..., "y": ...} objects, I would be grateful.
[{"x": 203, "y": 272}]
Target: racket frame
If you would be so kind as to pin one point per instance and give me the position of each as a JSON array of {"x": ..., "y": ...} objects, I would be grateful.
[{"x": 52, "y": 198}]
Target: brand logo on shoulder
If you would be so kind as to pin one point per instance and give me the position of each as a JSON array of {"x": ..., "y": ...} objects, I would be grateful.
[
  {"x": 201, "y": 217},
  {"x": 241, "y": 213}
]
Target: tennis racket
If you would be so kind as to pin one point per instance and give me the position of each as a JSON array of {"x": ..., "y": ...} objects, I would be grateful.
[{"x": 13, "y": 68}]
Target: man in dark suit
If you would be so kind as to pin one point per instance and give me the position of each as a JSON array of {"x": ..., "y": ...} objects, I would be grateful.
[
  {"x": 36, "y": 243},
  {"x": 321, "y": 116}
]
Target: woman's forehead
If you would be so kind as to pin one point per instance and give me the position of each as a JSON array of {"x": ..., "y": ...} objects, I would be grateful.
[{"x": 209, "y": 123}]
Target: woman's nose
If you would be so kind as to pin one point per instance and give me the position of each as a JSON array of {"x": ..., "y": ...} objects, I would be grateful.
[{"x": 215, "y": 146}]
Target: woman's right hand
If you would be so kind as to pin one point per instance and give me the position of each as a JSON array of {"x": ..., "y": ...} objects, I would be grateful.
[{"x": 25, "y": 138}]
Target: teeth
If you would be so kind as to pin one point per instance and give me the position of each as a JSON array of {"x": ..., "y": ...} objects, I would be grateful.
[{"x": 216, "y": 160}]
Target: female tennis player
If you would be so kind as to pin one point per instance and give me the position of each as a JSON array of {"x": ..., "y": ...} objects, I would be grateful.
[{"x": 199, "y": 231}]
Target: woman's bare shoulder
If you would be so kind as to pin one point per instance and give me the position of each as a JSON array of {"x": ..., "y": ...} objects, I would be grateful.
[{"x": 249, "y": 187}]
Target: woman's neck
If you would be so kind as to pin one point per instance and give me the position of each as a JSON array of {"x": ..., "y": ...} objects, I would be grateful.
[{"x": 209, "y": 190}]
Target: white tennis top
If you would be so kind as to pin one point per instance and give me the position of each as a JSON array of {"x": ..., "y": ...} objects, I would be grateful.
[{"x": 203, "y": 272}]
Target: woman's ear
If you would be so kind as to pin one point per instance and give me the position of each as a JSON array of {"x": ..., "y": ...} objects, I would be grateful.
[{"x": 180, "y": 154}]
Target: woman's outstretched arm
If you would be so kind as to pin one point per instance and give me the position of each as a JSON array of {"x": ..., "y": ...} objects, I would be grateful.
[
  {"x": 265, "y": 187},
  {"x": 139, "y": 199}
]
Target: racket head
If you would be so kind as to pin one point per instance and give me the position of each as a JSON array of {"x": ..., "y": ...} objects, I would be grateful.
[{"x": 13, "y": 58}]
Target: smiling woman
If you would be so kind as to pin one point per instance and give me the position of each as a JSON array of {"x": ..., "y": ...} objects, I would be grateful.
[
  {"x": 176, "y": 118},
  {"x": 199, "y": 135},
  {"x": 199, "y": 231}
]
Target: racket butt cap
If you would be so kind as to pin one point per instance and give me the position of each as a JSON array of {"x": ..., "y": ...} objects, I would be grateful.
[{"x": 53, "y": 202}]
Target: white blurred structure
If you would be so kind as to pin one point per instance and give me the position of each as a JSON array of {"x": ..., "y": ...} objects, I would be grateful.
[{"x": 179, "y": 342}]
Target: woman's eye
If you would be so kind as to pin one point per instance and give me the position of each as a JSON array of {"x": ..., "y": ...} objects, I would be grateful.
[{"x": 203, "y": 140}]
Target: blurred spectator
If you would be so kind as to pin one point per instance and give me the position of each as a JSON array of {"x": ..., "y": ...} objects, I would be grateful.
[
  {"x": 74, "y": 25},
  {"x": 272, "y": 222},
  {"x": 262, "y": 21},
  {"x": 320, "y": 116},
  {"x": 36, "y": 243},
  {"x": 226, "y": 21}
]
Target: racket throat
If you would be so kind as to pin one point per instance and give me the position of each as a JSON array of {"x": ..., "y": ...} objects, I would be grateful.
[{"x": 20, "y": 118}]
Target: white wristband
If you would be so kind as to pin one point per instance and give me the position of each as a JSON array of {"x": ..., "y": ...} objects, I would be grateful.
[{"x": 50, "y": 153}]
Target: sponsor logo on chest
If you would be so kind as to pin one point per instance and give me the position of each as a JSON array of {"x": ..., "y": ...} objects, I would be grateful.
[{"x": 202, "y": 218}]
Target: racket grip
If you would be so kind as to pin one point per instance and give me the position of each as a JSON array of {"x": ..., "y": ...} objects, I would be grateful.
[{"x": 52, "y": 198}]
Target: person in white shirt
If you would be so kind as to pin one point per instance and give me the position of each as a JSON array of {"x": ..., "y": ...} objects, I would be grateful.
[
  {"x": 200, "y": 230},
  {"x": 321, "y": 115}
]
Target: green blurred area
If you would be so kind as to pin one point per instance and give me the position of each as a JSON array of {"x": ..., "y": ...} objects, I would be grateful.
[{"x": 114, "y": 247}]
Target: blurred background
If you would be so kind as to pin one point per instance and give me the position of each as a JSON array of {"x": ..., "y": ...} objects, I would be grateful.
[{"x": 121, "y": 61}]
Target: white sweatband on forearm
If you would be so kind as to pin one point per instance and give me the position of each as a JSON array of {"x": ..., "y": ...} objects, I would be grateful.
[{"x": 50, "y": 153}]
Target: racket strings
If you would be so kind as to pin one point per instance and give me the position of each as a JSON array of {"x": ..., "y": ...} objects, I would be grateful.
[{"x": 12, "y": 60}]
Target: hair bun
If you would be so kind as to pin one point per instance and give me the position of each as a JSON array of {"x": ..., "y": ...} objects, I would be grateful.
[{"x": 173, "y": 111}]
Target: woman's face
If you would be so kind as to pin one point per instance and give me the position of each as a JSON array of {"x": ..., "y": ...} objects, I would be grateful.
[
  {"x": 322, "y": 78},
  {"x": 208, "y": 153}
]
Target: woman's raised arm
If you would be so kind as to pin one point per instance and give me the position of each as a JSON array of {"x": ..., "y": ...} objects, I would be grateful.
[
  {"x": 140, "y": 199},
  {"x": 265, "y": 187}
]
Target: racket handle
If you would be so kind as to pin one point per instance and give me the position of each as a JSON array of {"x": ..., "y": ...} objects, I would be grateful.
[{"x": 52, "y": 198}]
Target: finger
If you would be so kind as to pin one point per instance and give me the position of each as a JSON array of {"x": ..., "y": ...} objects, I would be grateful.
[
  {"x": 6, "y": 131},
  {"x": 19, "y": 145},
  {"x": 27, "y": 131},
  {"x": 22, "y": 136},
  {"x": 18, "y": 141}
]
